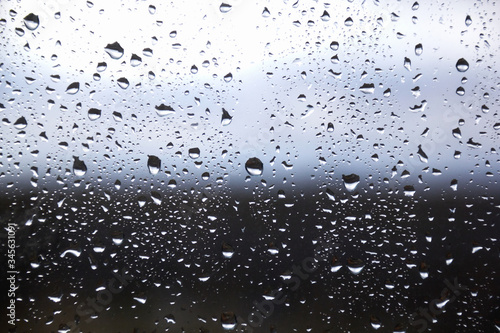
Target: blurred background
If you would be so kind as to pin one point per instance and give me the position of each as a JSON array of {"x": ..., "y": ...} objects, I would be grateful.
[{"x": 204, "y": 149}]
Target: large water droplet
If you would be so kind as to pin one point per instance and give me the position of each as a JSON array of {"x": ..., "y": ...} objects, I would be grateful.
[
  {"x": 94, "y": 114},
  {"x": 154, "y": 164},
  {"x": 73, "y": 88},
  {"x": 114, "y": 50},
  {"x": 254, "y": 166},
  {"x": 462, "y": 65},
  {"x": 31, "y": 21},
  {"x": 79, "y": 167},
  {"x": 350, "y": 181},
  {"x": 135, "y": 60}
]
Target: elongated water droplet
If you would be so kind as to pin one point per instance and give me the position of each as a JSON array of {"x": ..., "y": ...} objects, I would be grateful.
[
  {"x": 226, "y": 118},
  {"x": 419, "y": 49},
  {"x": 468, "y": 20},
  {"x": 367, "y": 88},
  {"x": 79, "y": 167},
  {"x": 163, "y": 110},
  {"x": 254, "y": 166},
  {"x": 154, "y": 164}
]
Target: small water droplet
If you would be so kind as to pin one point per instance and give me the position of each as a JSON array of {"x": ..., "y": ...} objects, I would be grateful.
[
  {"x": 462, "y": 65},
  {"x": 152, "y": 9},
  {"x": 407, "y": 64},
  {"x": 468, "y": 20},
  {"x": 114, "y": 50},
  {"x": 227, "y": 250},
  {"x": 73, "y": 88},
  {"x": 135, "y": 60},
  {"x": 355, "y": 265},
  {"x": 79, "y": 167},
  {"x": 194, "y": 153},
  {"x": 94, "y": 114},
  {"x": 265, "y": 12},
  {"x": 367, "y": 88},
  {"x": 31, "y": 21},
  {"x": 419, "y": 49},
  {"x": 228, "y": 320},
  {"x": 122, "y": 83},
  {"x": 460, "y": 91},
  {"x": 163, "y": 110},
  {"x": 226, "y": 118},
  {"x": 334, "y": 46},
  {"x": 194, "y": 69},
  {"x": 254, "y": 166},
  {"x": 348, "y": 22},
  {"x": 224, "y": 7},
  {"x": 228, "y": 77},
  {"x": 154, "y": 164},
  {"x": 21, "y": 123},
  {"x": 350, "y": 181}
]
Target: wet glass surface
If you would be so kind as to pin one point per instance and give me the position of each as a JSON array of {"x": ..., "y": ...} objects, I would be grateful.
[{"x": 291, "y": 166}]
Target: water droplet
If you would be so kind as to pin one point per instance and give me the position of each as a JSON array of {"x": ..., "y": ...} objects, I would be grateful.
[
  {"x": 224, "y": 7},
  {"x": 117, "y": 237},
  {"x": 152, "y": 9},
  {"x": 265, "y": 12},
  {"x": 154, "y": 164},
  {"x": 419, "y": 49},
  {"x": 228, "y": 77},
  {"x": 330, "y": 127},
  {"x": 460, "y": 91},
  {"x": 409, "y": 190},
  {"x": 375, "y": 322},
  {"x": 226, "y": 118},
  {"x": 194, "y": 153},
  {"x": 415, "y": 6},
  {"x": 335, "y": 265},
  {"x": 163, "y": 110},
  {"x": 325, "y": 17},
  {"x": 31, "y": 21},
  {"x": 387, "y": 92},
  {"x": 227, "y": 250},
  {"x": 135, "y": 60},
  {"x": 194, "y": 69},
  {"x": 123, "y": 83},
  {"x": 468, "y": 20},
  {"x": 79, "y": 167},
  {"x": 156, "y": 197},
  {"x": 228, "y": 320},
  {"x": 462, "y": 65},
  {"x": 114, "y": 50},
  {"x": 350, "y": 181},
  {"x": 334, "y": 46},
  {"x": 422, "y": 155},
  {"x": 21, "y": 123},
  {"x": 94, "y": 114},
  {"x": 254, "y": 166},
  {"x": 101, "y": 67},
  {"x": 367, "y": 88},
  {"x": 355, "y": 265},
  {"x": 348, "y": 22},
  {"x": 73, "y": 88},
  {"x": 407, "y": 64}
]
